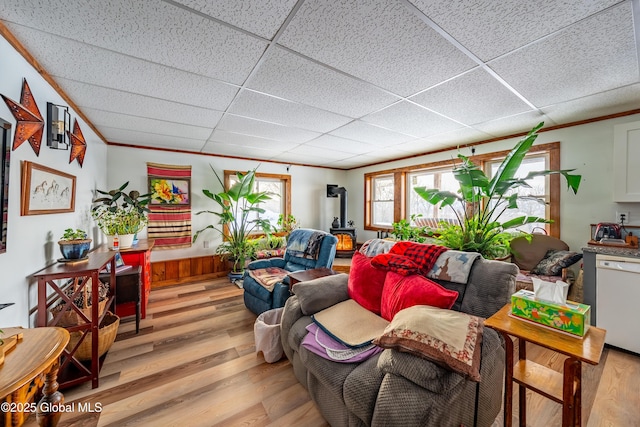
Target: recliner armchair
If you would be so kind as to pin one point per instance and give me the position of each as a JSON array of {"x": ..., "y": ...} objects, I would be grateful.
[{"x": 306, "y": 249}]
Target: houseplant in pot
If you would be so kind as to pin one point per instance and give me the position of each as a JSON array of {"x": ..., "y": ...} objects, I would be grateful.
[
  {"x": 482, "y": 201},
  {"x": 121, "y": 214},
  {"x": 237, "y": 219},
  {"x": 74, "y": 244}
]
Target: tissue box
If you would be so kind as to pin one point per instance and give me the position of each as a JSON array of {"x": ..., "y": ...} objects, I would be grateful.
[{"x": 571, "y": 317}]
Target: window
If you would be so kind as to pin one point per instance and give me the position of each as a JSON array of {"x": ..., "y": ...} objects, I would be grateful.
[
  {"x": 442, "y": 179},
  {"x": 390, "y": 195},
  {"x": 539, "y": 190},
  {"x": 277, "y": 185},
  {"x": 382, "y": 205}
]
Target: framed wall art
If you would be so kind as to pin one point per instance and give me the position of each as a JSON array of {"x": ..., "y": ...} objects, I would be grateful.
[
  {"x": 5, "y": 152},
  {"x": 46, "y": 191},
  {"x": 170, "y": 191}
]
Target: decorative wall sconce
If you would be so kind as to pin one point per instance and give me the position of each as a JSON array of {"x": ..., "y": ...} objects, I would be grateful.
[{"x": 59, "y": 121}]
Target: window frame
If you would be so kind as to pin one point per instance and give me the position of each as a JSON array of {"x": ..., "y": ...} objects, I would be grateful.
[
  {"x": 284, "y": 179},
  {"x": 552, "y": 150}
]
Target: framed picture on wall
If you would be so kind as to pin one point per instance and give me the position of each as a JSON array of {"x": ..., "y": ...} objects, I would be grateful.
[
  {"x": 168, "y": 191},
  {"x": 46, "y": 191},
  {"x": 5, "y": 152}
]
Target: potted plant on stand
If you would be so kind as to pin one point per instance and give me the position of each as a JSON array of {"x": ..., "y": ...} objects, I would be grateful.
[
  {"x": 238, "y": 218},
  {"x": 74, "y": 244},
  {"x": 121, "y": 214},
  {"x": 482, "y": 201}
]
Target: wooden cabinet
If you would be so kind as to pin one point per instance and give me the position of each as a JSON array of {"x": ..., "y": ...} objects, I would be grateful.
[
  {"x": 626, "y": 152},
  {"x": 137, "y": 255},
  {"x": 53, "y": 283}
]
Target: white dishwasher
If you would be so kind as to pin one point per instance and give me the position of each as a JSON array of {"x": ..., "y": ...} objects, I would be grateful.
[{"x": 617, "y": 300}]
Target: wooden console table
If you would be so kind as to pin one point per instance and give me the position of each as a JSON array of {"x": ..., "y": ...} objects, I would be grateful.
[
  {"x": 52, "y": 282},
  {"x": 35, "y": 356},
  {"x": 564, "y": 388}
]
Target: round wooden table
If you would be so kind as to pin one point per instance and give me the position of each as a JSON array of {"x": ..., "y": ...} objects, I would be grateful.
[{"x": 35, "y": 355}]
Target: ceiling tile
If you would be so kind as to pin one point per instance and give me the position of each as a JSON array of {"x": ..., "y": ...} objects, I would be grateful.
[
  {"x": 292, "y": 77},
  {"x": 117, "y": 71},
  {"x": 365, "y": 132},
  {"x": 330, "y": 142},
  {"x": 262, "y": 129},
  {"x": 110, "y": 119},
  {"x": 152, "y": 139},
  {"x": 378, "y": 41},
  {"x": 591, "y": 56},
  {"x": 261, "y": 17},
  {"x": 262, "y": 107},
  {"x": 218, "y": 148},
  {"x": 411, "y": 119},
  {"x": 156, "y": 31},
  {"x": 312, "y": 151},
  {"x": 471, "y": 98},
  {"x": 305, "y": 159},
  {"x": 251, "y": 141},
  {"x": 450, "y": 139},
  {"x": 99, "y": 98},
  {"x": 514, "y": 124},
  {"x": 601, "y": 104},
  {"x": 492, "y": 28}
]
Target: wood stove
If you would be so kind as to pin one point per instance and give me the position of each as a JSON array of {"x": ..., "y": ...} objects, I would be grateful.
[{"x": 346, "y": 235}]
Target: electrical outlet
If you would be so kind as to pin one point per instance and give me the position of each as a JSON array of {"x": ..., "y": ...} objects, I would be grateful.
[
  {"x": 622, "y": 217},
  {"x": 205, "y": 244}
]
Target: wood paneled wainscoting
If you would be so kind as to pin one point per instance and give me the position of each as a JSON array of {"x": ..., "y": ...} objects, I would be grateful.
[{"x": 185, "y": 270}]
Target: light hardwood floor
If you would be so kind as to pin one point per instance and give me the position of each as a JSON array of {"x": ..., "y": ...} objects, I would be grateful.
[{"x": 194, "y": 364}]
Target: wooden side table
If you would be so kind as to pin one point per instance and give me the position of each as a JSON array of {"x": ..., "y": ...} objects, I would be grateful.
[
  {"x": 564, "y": 388},
  {"x": 305, "y": 275},
  {"x": 33, "y": 360},
  {"x": 52, "y": 281}
]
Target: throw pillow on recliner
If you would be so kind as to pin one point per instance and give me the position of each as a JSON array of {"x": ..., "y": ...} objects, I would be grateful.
[
  {"x": 365, "y": 283},
  {"x": 554, "y": 261},
  {"x": 401, "y": 292}
]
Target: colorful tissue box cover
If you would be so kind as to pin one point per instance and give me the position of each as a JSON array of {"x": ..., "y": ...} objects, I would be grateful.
[{"x": 572, "y": 317}]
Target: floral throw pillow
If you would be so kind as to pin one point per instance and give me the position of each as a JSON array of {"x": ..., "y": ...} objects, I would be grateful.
[
  {"x": 554, "y": 261},
  {"x": 448, "y": 338}
]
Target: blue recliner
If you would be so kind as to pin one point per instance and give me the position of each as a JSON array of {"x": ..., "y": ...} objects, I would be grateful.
[{"x": 306, "y": 249}]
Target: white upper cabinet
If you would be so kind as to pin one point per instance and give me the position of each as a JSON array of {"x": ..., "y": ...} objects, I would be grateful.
[{"x": 626, "y": 158}]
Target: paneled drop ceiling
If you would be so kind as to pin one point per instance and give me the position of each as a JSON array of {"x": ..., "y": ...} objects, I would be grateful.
[{"x": 334, "y": 83}]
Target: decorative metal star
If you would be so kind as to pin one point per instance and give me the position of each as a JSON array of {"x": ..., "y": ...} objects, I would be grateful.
[
  {"x": 78, "y": 144},
  {"x": 30, "y": 122}
]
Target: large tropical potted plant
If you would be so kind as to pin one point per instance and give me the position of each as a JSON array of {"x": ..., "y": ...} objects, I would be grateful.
[
  {"x": 121, "y": 214},
  {"x": 484, "y": 200},
  {"x": 238, "y": 218}
]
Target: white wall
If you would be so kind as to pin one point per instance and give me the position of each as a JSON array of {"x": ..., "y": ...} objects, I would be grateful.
[
  {"x": 587, "y": 148},
  {"x": 32, "y": 240},
  {"x": 309, "y": 202}
]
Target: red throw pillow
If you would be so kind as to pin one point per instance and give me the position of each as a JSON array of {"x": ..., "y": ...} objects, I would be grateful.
[
  {"x": 397, "y": 263},
  {"x": 365, "y": 282},
  {"x": 401, "y": 292}
]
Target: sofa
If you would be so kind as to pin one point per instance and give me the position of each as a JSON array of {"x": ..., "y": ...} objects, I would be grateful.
[
  {"x": 397, "y": 388},
  {"x": 306, "y": 249}
]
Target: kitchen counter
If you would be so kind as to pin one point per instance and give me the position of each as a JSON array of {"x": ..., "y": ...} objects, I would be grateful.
[{"x": 612, "y": 250}]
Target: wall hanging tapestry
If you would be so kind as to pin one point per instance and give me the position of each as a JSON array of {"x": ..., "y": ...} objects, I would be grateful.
[
  {"x": 170, "y": 216},
  {"x": 30, "y": 122}
]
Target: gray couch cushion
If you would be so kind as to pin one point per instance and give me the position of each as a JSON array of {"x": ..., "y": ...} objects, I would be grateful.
[
  {"x": 490, "y": 286},
  {"x": 318, "y": 294},
  {"x": 361, "y": 389}
]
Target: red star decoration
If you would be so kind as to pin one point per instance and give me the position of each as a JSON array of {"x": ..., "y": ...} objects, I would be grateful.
[
  {"x": 78, "y": 144},
  {"x": 30, "y": 122}
]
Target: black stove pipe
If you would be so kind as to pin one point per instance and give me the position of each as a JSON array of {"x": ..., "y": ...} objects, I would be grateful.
[{"x": 335, "y": 191}]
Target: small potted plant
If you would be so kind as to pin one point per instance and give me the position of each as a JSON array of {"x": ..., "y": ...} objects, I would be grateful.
[
  {"x": 121, "y": 213},
  {"x": 74, "y": 244}
]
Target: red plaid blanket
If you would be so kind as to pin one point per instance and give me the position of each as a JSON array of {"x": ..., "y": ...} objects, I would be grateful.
[{"x": 422, "y": 254}]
